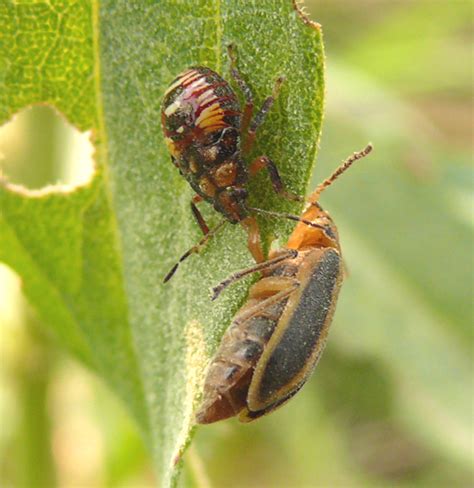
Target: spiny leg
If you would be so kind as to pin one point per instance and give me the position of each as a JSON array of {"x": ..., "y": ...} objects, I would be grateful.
[
  {"x": 234, "y": 71},
  {"x": 264, "y": 162},
  {"x": 260, "y": 117},
  {"x": 197, "y": 214},
  {"x": 287, "y": 254},
  {"x": 250, "y": 129},
  {"x": 195, "y": 249}
]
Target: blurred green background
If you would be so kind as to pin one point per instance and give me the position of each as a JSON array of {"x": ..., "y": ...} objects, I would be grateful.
[{"x": 391, "y": 403}]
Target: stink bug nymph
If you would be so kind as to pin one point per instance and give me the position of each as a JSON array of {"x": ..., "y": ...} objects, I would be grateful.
[
  {"x": 275, "y": 340},
  {"x": 208, "y": 135}
]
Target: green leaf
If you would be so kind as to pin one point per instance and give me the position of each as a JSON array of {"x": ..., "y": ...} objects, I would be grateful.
[
  {"x": 62, "y": 243},
  {"x": 93, "y": 258}
]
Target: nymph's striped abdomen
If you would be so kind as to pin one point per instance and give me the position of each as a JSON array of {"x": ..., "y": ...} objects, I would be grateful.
[
  {"x": 198, "y": 103},
  {"x": 201, "y": 122}
]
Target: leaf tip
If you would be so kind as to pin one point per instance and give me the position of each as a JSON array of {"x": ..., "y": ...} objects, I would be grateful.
[{"x": 300, "y": 9}]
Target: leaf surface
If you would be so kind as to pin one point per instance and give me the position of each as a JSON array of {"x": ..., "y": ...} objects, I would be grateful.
[
  {"x": 176, "y": 326},
  {"x": 62, "y": 241},
  {"x": 93, "y": 258}
]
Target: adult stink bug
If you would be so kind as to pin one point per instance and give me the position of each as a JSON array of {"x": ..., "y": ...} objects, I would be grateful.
[
  {"x": 203, "y": 126},
  {"x": 277, "y": 337}
]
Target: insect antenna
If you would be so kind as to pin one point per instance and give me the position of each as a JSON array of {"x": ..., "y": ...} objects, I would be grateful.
[
  {"x": 195, "y": 249},
  {"x": 286, "y": 216},
  {"x": 342, "y": 168},
  {"x": 217, "y": 290}
]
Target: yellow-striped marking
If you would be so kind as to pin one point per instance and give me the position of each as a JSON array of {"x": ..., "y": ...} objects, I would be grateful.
[
  {"x": 213, "y": 123},
  {"x": 183, "y": 78},
  {"x": 210, "y": 116},
  {"x": 171, "y": 147}
]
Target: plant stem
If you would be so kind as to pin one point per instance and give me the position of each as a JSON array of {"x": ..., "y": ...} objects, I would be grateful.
[{"x": 34, "y": 466}]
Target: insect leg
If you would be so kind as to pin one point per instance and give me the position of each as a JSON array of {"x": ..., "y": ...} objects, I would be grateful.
[
  {"x": 197, "y": 214},
  {"x": 260, "y": 117},
  {"x": 269, "y": 286},
  {"x": 254, "y": 242},
  {"x": 287, "y": 254},
  {"x": 264, "y": 162},
  {"x": 256, "y": 309},
  {"x": 234, "y": 71},
  {"x": 193, "y": 250},
  {"x": 288, "y": 216}
]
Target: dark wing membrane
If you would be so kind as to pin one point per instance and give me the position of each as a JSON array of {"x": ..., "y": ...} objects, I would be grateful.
[{"x": 292, "y": 353}]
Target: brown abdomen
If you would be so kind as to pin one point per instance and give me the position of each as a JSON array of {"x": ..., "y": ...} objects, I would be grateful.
[{"x": 231, "y": 369}]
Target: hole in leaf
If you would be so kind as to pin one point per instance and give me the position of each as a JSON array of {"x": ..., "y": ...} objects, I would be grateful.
[{"x": 39, "y": 148}]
